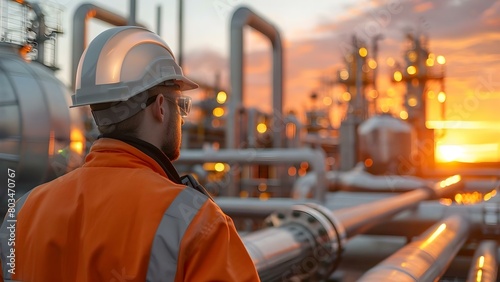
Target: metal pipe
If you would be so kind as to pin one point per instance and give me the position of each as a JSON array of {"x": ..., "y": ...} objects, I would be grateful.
[
  {"x": 359, "y": 100},
  {"x": 317, "y": 257},
  {"x": 181, "y": 31},
  {"x": 354, "y": 219},
  {"x": 274, "y": 241},
  {"x": 359, "y": 181},
  {"x": 484, "y": 217},
  {"x": 316, "y": 159},
  {"x": 242, "y": 17},
  {"x": 83, "y": 13},
  {"x": 254, "y": 207},
  {"x": 41, "y": 31},
  {"x": 305, "y": 243},
  {"x": 427, "y": 257},
  {"x": 133, "y": 12},
  {"x": 158, "y": 20},
  {"x": 484, "y": 263}
]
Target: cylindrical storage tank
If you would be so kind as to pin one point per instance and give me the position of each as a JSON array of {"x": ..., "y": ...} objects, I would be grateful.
[
  {"x": 386, "y": 145},
  {"x": 40, "y": 137}
]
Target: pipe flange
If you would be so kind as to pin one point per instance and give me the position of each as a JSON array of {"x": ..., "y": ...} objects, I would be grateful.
[
  {"x": 341, "y": 235},
  {"x": 328, "y": 238}
]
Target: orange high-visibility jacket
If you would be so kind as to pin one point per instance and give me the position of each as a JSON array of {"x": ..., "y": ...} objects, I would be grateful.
[{"x": 119, "y": 218}]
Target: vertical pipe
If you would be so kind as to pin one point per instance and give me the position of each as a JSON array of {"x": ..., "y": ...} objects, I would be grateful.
[
  {"x": 180, "y": 32},
  {"x": 359, "y": 99},
  {"x": 133, "y": 12},
  {"x": 83, "y": 13},
  {"x": 375, "y": 71},
  {"x": 242, "y": 17},
  {"x": 40, "y": 33},
  {"x": 1, "y": 18},
  {"x": 484, "y": 263},
  {"x": 158, "y": 20}
]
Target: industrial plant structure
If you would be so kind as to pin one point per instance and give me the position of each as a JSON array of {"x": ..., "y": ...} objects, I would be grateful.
[{"x": 360, "y": 202}]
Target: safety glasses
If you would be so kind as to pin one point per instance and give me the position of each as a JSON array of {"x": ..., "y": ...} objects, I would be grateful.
[{"x": 183, "y": 102}]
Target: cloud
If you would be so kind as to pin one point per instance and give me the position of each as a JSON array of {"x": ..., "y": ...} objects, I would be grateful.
[
  {"x": 422, "y": 7},
  {"x": 465, "y": 32}
]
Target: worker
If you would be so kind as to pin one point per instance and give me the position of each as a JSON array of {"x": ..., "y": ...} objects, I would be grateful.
[{"x": 125, "y": 215}]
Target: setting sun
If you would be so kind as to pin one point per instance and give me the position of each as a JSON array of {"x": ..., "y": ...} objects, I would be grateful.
[
  {"x": 449, "y": 153},
  {"x": 467, "y": 153}
]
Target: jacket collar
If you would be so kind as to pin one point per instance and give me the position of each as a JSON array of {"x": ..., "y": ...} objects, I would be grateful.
[{"x": 161, "y": 162}]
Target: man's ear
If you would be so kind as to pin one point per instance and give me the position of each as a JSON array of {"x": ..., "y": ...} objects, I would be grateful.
[{"x": 158, "y": 109}]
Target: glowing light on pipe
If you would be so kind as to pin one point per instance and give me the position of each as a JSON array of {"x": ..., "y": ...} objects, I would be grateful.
[
  {"x": 411, "y": 70},
  {"x": 261, "y": 128},
  {"x": 363, "y": 52},
  {"x": 372, "y": 64},
  {"x": 219, "y": 167},
  {"x": 429, "y": 62},
  {"x": 218, "y": 112},
  {"x": 434, "y": 235},
  {"x": 441, "y": 60},
  {"x": 403, "y": 115},
  {"x": 479, "y": 275},
  {"x": 344, "y": 74},
  {"x": 412, "y": 102},
  {"x": 441, "y": 97},
  {"x": 398, "y": 76},
  {"x": 480, "y": 262},
  {"x": 346, "y": 96},
  {"x": 450, "y": 181},
  {"x": 221, "y": 97}
]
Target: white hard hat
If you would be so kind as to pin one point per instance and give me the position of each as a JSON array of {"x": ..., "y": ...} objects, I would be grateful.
[{"x": 122, "y": 62}]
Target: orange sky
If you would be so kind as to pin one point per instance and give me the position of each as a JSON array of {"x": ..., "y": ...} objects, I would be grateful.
[{"x": 466, "y": 32}]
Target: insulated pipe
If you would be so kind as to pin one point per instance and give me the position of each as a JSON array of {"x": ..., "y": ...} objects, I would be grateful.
[
  {"x": 242, "y": 17},
  {"x": 359, "y": 181},
  {"x": 316, "y": 158},
  {"x": 427, "y": 257},
  {"x": 315, "y": 235},
  {"x": 484, "y": 263},
  {"x": 82, "y": 14}
]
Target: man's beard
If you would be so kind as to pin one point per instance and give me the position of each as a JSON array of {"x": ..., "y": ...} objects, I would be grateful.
[{"x": 172, "y": 143}]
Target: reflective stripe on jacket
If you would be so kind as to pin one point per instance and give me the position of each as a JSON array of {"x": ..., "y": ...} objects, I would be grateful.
[{"x": 118, "y": 218}]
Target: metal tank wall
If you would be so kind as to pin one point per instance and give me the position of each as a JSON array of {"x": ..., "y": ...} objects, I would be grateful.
[
  {"x": 386, "y": 145},
  {"x": 40, "y": 137}
]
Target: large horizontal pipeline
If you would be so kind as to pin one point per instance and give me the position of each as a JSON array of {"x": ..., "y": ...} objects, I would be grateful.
[
  {"x": 315, "y": 235},
  {"x": 357, "y": 180},
  {"x": 427, "y": 257}
]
